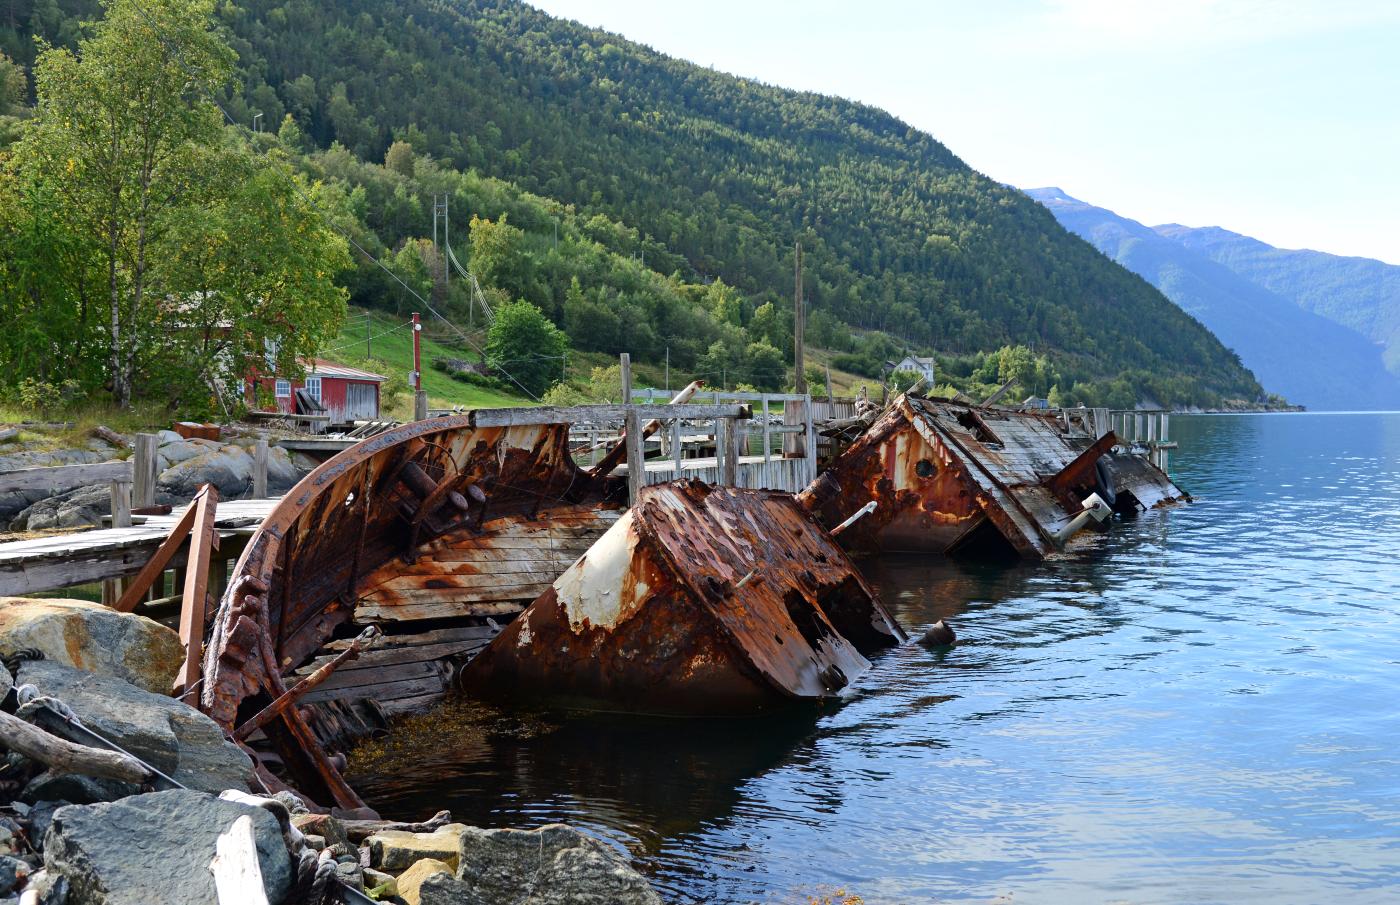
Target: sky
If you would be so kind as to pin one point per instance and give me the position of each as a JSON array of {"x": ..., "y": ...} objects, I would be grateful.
[{"x": 1279, "y": 119}]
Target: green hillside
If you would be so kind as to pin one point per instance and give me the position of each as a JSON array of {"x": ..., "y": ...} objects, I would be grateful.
[{"x": 661, "y": 176}]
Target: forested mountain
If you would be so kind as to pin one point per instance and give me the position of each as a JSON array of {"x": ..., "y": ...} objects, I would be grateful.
[
  {"x": 1306, "y": 357},
  {"x": 697, "y": 174},
  {"x": 1360, "y": 293}
]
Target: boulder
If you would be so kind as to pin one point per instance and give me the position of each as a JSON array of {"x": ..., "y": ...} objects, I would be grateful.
[
  {"x": 81, "y": 507},
  {"x": 75, "y": 788},
  {"x": 13, "y": 872},
  {"x": 323, "y": 825},
  {"x": 444, "y": 889},
  {"x": 555, "y": 864},
  {"x": 409, "y": 882},
  {"x": 93, "y": 638},
  {"x": 229, "y": 468},
  {"x": 171, "y": 736},
  {"x": 157, "y": 848},
  {"x": 394, "y": 850}
]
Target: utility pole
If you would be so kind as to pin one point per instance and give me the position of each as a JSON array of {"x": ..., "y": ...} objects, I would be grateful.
[
  {"x": 420, "y": 398},
  {"x": 367, "y": 326},
  {"x": 799, "y": 319},
  {"x": 668, "y": 368}
]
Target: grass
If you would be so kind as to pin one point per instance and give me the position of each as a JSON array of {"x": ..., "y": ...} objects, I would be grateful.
[{"x": 391, "y": 354}]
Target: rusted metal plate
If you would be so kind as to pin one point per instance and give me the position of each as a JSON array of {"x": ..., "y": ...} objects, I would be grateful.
[
  {"x": 949, "y": 476},
  {"x": 347, "y": 546},
  {"x": 698, "y": 600}
]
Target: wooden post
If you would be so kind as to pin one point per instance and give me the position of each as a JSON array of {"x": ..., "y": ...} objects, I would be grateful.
[
  {"x": 734, "y": 438},
  {"x": 112, "y": 588},
  {"x": 121, "y": 504},
  {"x": 799, "y": 320},
  {"x": 625, "y": 359},
  {"x": 204, "y": 540},
  {"x": 260, "y": 470},
  {"x": 677, "y": 447},
  {"x": 143, "y": 488},
  {"x": 829, "y": 395},
  {"x": 636, "y": 461},
  {"x": 767, "y": 444},
  {"x": 810, "y": 439}
]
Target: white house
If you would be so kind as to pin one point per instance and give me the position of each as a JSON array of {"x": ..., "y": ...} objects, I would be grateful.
[{"x": 919, "y": 365}]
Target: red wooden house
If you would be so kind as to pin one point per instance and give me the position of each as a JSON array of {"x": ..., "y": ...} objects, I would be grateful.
[{"x": 347, "y": 394}]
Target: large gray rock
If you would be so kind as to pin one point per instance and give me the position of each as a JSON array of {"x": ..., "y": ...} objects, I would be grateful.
[
  {"x": 173, "y": 737},
  {"x": 93, "y": 638},
  {"x": 81, "y": 507},
  {"x": 229, "y": 468},
  {"x": 552, "y": 865},
  {"x": 156, "y": 848}
]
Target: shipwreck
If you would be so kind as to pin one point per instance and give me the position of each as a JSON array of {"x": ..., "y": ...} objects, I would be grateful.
[
  {"x": 426, "y": 534},
  {"x": 958, "y": 478},
  {"x": 698, "y": 600}
]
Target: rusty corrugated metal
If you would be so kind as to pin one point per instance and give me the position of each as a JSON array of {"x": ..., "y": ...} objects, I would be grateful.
[
  {"x": 346, "y": 546},
  {"x": 947, "y": 474},
  {"x": 699, "y": 600}
]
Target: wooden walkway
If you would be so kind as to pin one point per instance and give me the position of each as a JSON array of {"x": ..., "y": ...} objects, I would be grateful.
[{"x": 65, "y": 560}]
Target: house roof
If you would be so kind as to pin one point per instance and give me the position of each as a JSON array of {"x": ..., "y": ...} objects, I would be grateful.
[{"x": 322, "y": 368}]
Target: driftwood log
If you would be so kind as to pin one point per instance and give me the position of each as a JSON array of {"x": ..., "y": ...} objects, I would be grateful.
[
  {"x": 360, "y": 830},
  {"x": 106, "y": 433},
  {"x": 238, "y": 878},
  {"x": 67, "y": 757}
]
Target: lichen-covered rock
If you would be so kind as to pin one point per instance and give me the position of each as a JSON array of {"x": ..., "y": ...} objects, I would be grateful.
[
  {"x": 93, "y": 638},
  {"x": 409, "y": 882},
  {"x": 552, "y": 865},
  {"x": 395, "y": 850},
  {"x": 444, "y": 889},
  {"x": 171, "y": 736},
  {"x": 323, "y": 825},
  {"x": 157, "y": 848}
]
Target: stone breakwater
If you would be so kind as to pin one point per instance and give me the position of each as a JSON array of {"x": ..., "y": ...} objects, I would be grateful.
[
  {"x": 68, "y": 837},
  {"x": 181, "y": 465}
]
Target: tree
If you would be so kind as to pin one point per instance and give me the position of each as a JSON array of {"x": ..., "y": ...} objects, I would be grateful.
[
  {"x": 13, "y": 86},
  {"x": 399, "y": 158},
  {"x": 765, "y": 367},
  {"x": 115, "y": 130},
  {"x": 526, "y": 345}
]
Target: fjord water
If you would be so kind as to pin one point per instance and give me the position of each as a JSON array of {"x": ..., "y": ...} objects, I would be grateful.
[{"x": 1201, "y": 706}]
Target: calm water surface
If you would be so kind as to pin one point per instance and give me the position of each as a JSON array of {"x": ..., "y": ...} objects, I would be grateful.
[{"x": 1202, "y": 706}]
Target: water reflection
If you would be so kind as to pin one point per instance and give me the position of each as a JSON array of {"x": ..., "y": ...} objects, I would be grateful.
[{"x": 1198, "y": 706}]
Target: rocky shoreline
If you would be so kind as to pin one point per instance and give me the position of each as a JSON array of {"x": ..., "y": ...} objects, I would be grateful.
[
  {"x": 83, "y": 673},
  {"x": 182, "y": 466}
]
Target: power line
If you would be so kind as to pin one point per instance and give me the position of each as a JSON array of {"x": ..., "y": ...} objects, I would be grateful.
[{"x": 329, "y": 221}]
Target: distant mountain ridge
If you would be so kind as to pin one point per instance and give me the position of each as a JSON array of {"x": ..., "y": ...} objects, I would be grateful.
[
  {"x": 1360, "y": 293},
  {"x": 1290, "y": 345}
]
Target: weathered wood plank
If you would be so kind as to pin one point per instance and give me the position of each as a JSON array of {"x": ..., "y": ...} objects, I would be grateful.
[
  {"x": 383, "y": 691},
  {"x": 549, "y": 414},
  {"x": 372, "y": 611},
  {"x": 463, "y": 633},
  {"x": 58, "y": 478}
]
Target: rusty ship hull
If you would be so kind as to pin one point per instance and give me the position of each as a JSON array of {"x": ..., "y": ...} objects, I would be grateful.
[
  {"x": 699, "y": 600},
  {"x": 956, "y": 478},
  {"x": 427, "y": 531}
]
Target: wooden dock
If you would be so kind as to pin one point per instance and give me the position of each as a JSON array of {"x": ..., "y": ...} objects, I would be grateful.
[{"x": 64, "y": 560}]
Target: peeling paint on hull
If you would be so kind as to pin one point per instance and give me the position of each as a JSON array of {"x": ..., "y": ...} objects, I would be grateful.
[
  {"x": 700, "y": 600},
  {"x": 949, "y": 477}
]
